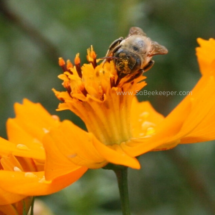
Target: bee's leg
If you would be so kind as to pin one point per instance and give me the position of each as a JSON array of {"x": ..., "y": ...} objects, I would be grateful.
[
  {"x": 138, "y": 73},
  {"x": 113, "y": 47},
  {"x": 115, "y": 43},
  {"x": 148, "y": 66},
  {"x": 120, "y": 76}
]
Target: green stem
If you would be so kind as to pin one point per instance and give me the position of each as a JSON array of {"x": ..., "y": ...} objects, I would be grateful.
[
  {"x": 122, "y": 179},
  {"x": 32, "y": 206}
]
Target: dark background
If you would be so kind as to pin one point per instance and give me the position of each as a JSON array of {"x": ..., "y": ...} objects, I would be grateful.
[{"x": 33, "y": 34}]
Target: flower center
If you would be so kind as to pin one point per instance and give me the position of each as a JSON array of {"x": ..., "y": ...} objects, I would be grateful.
[{"x": 99, "y": 97}]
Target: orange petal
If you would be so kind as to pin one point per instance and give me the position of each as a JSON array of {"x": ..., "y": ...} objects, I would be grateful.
[
  {"x": 18, "y": 135},
  {"x": 116, "y": 155},
  {"x": 200, "y": 123},
  {"x": 68, "y": 147},
  {"x": 34, "y": 184},
  {"x": 192, "y": 115},
  {"x": 143, "y": 117},
  {"x": 165, "y": 133},
  {"x": 34, "y": 119},
  {"x": 7, "y": 210},
  {"x": 138, "y": 146},
  {"x": 9, "y": 198},
  {"x": 205, "y": 55},
  {"x": 11, "y": 163},
  {"x": 21, "y": 150}
]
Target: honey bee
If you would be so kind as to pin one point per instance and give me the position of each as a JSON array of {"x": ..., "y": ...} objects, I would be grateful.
[{"x": 134, "y": 53}]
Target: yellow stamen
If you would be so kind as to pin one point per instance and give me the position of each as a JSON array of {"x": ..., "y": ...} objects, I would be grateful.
[
  {"x": 69, "y": 65},
  {"x": 77, "y": 59},
  {"x": 61, "y": 61}
]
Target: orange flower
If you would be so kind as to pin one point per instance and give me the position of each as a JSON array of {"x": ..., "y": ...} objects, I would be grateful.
[
  {"x": 119, "y": 127},
  {"x": 10, "y": 203},
  {"x": 23, "y": 158},
  {"x": 205, "y": 55}
]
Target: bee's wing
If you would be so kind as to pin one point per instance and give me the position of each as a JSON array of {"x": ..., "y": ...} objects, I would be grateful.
[
  {"x": 157, "y": 49},
  {"x": 136, "y": 31}
]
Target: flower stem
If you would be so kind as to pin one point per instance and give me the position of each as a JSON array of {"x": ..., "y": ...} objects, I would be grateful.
[
  {"x": 122, "y": 179},
  {"x": 32, "y": 207}
]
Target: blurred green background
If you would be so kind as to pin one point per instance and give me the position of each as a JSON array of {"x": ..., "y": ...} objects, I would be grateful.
[{"x": 33, "y": 34}]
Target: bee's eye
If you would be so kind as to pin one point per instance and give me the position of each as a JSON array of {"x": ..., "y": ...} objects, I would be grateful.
[{"x": 135, "y": 48}]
